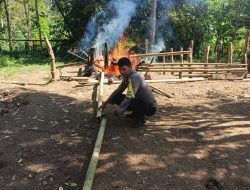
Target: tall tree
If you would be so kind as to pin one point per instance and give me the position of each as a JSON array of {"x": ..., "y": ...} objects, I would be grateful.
[
  {"x": 27, "y": 17},
  {"x": 38, "y": 22},
  {"x": 153, "y": 23},
  {"x": 8, "y": 24}
]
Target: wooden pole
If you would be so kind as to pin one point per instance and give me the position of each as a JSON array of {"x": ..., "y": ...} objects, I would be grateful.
[
  {"x": 172, "y": 58},
  {"x": 95, "y": 156},
  {"x": 146, "y": 46},
  {"x": 230, "y": 53},
  {"x": 206, "y": 57},
  {"x": 106, "y": 55},
  {"x": 206, "y": 54},
  {"x": 52, "y": 59},
  {"x": 164, "y": 61},
  {"x": 148, "y": 81},
  {"x": 190, "y": 57},
  {"x": 194, "y": 64},
  {"x": 192, "y": 45},
  {"x": 180, "y": 73},
  {"x": 246, "y": 45},
  {"x": 192, "y": 70},
  {"x": 162, "y": 54}
]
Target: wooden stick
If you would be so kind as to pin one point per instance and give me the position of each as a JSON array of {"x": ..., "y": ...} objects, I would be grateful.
[
  {"x": 230, "y": 53},
  {"x": 160, "y": 92},
  {"x": 95, "y": 156},
  {"x": 52, "y": 59}
]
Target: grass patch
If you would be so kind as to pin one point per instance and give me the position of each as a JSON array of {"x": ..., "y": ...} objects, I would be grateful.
[{"x": 15, "y": 65}]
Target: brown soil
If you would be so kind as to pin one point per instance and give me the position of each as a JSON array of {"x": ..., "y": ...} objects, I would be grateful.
[{"x": 47, "y": 134}]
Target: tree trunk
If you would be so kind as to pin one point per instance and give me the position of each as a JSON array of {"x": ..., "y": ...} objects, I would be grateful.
[
  {"x": 8, "y": 24},
  {"x": 27, "y": 17},
  {"x": 38, "y": 23},
  {"x": 153, "y": 23}
]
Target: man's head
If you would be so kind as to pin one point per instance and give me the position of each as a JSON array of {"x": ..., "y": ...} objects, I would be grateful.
[{"x": 125, "y": 67}]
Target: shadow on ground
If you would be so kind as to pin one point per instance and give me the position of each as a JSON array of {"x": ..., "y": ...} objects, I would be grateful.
[
  {"x": 181, "y": 148},
  {"x": 46, "y": 141}
]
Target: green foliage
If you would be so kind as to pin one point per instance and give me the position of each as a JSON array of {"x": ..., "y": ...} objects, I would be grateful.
[{"x": 206, "y": 22}]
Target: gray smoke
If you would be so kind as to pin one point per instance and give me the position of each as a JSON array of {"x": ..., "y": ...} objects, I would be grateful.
[{"x": 109, "y": 24}]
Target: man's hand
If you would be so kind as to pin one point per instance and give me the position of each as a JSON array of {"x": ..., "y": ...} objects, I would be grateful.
[
  {"x": 115, "y": 113},
  {"x": 103, "y": 106}
]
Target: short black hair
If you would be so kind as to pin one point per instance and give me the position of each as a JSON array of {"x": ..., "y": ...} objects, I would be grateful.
[{"x": 124, "y": 61}]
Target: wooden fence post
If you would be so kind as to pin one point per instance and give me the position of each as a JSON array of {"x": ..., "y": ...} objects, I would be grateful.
[
  {"x": 230, "y": 53},
  {"x": 180, "y": 73},
  {"x": 206, "y": 57},
  {"x": 172, "y": 59},
  {"x": 52, "y": 59},
  {"x": 245, "y": 48}
]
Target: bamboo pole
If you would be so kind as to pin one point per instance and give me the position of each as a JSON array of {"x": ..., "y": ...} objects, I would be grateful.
[
  {"x": 230, "y": 53},
  {"x": 100, "y": 97},
  {"x": 148, "y": 81},
  {"x": 162, "y": 54},
  {"x": 95, "y": 156},
  {"x": 176, "y": 64},
  {"x": 192, "y": 70},
  {"x": 69, "y": 65},
  {"x": 52, "y": 59},
  {"x": 192, "y": 67}
]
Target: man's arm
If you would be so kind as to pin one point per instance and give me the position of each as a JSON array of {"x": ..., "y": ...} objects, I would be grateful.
[
  {"x": 119, "y": 90},
  {"x": 133, "y": 86}
]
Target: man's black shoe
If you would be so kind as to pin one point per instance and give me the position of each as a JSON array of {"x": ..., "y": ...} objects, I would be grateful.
[{"x": 138, "y": 123}]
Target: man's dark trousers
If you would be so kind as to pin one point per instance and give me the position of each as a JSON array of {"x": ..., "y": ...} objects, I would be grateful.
[{"x": 137, "y": 106}]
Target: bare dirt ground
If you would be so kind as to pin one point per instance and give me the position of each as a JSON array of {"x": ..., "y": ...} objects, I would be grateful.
[{"x": 47, "y": 134}]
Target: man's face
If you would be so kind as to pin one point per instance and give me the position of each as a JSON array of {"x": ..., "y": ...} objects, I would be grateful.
[{"x": 125, "y": 70}]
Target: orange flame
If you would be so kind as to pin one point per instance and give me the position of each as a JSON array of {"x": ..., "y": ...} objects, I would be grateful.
[{"x": 120, "y": 50}]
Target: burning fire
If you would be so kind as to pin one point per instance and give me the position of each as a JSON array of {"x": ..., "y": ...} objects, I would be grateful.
[{"x": 121, "y": 49}]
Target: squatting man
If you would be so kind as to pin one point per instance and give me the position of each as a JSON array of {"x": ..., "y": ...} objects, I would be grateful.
[{"x": 139, "y": 98}]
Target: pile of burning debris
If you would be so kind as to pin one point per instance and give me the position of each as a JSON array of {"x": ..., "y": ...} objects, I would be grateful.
[{"x": 106, "y": 61}]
